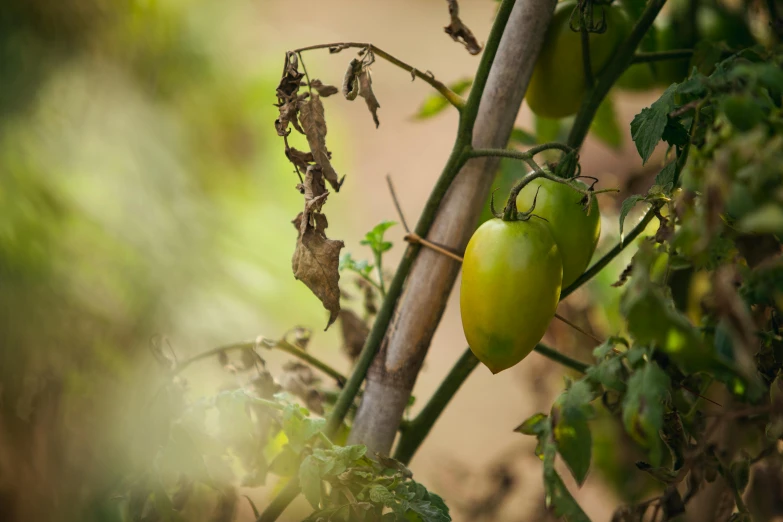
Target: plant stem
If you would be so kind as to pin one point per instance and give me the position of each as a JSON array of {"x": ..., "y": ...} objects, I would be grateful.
[
  {"x": 586, "y": 65},
  {"x": 609, "y": 256},
  {"x": 281, "y": 501},
  {"x": 658, "y": 56},
  {"x": 281, "y": 345},
  {"x": 614, "y": 69},
  {"x": 452, "y": 97},
  {"x": 418, "y": 429},
  {"x": 378, "y": 266}
]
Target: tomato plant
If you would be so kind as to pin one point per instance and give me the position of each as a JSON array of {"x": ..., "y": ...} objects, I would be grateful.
[
  {"x": 575, "y": 229},
  {"x": 511, "y": 278},
  {"x": 558, "y": 83}
]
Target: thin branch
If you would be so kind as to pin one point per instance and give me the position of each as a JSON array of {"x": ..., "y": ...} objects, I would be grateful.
[
  {"x": 578, "y": 328},
  {"x": 453, "y": 98},
  {"x": 281, "y": 345},
  {"x": 609, "y": 256},
  {"x": 415, "y": 238},
  {"x": 397, "y": 204},
  {"x": 613, "y": 70},
  {"x": 418, "y": 429},
  {"x": 659, "y": 56}
]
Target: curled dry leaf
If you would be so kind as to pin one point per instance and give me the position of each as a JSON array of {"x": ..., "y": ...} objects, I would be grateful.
[
  {"x": 311, "y": 115},
  {"x": 288, "y": 98},
  {"x": 314, "y": 188},
  {"x": 365, "y": 91},
  {"x": 301, "y": 336},
  {"x": 316, "y": 259},
  {"x": 265, "y": 385},
  {"x": 354, "y": 332},
  {"x": 358, "y": 82},
  {"x": 323, "y": 90},
  {"x": 459, "y": 32}
]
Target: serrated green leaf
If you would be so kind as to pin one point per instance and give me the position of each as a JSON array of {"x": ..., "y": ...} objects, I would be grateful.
[
  {"x": 605, "y": 126},
  {"x": 381, "y": 495},
  {"x": 300, "y": 429},
  {"x": 428, "y": 512},
  {"x": 626, "y": 207},
  {"x": 347, "y": 262},
  {"x": 675, "y": 134},
  {"x": 643, "y": 407},
  {"x": 310, "y": 480},
  {"x": 435, "y": 103},
  {"x": 647, "y": 127}
]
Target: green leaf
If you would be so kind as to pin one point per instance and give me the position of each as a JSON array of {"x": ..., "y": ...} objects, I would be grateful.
[
  {"x": 647, "y": 127},
  {"x": 535, "y": 425},
  {"x": 643, "y": 408},
  {"x": 374, "y": 238},
  {"x": 310, "y": 480},
  {"x": 547, "y": 130},
  {"x": 605, "y": 125},
  {"x": 628, "y": 204},
  {"x": 522, "y": 137},
  {"x": 560, "y": 500},
  {"x": 298, "y": 428},
  {"x": 675, "y": 134},
  {"x": 349, "y": 263},
  {"x": 570, "y": 430},
  {"x": 665, "y": 177},
  {"x": 435, "y": 103},
  {"x": 286, "y": 463},
  {"x": 381, "y": 495}
]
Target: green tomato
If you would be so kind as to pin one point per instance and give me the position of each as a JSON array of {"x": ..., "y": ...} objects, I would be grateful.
[
  {"x": 639, "y": 77},
  {"x": 558, "y": 83},
  {"x": 575, "y": 232},
  {"x": 511, "y": 278}
]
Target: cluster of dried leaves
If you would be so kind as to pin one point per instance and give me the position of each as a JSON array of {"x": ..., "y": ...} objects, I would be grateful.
[{"x": 316, "y": 258}]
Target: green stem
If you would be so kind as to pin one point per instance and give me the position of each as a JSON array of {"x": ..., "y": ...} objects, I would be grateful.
[
  {"x": 586, "y": 65},
  {"x": 378, "y": 266},
  {"x": 609, "y": 256},
  {"x": 658, "y": 56},
  {"x": 289, "y": 348},
  {"x": 614, "y": 69},
  {"x": 560, "y": 358},
  {"x": 418, "y": 429},
  {"x": 281, "y": 501}
]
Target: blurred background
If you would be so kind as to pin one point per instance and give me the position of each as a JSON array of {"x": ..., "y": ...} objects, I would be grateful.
[{"x": 146, "y": 206}]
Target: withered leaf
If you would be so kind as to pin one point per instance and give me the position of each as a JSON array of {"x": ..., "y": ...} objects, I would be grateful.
[
  {"x": 323, "y": 90},
  {"x": 351, "y": 80},
  {"x": 354, "y": 332},
  {"x": 291, "y": 79},
  {"x": 459, "y": 32},
  {"x": 316, "y": 260},
  {"x": 337, "y": 48},
  {"x": 289, "y": 108},
  {"x": 300, "y": 159},
  {"x": 299, "y": 379},
  {"x": 311, "y": 115},
  {"x": 314, "y": 188},
  {"x": 365, "y": 91}
]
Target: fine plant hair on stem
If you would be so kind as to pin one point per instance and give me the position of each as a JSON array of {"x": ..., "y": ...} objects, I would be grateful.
[{"x": 432, "y": 277}]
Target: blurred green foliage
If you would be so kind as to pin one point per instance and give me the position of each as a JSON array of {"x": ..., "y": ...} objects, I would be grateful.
[{"x": 139, "y": 173}]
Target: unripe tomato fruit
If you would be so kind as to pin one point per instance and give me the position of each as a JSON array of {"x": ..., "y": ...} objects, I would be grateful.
[
  {"x": 511, "y": 278},
  {"x": 575, "y": 232},
  {"x": 558, "y": 83}
]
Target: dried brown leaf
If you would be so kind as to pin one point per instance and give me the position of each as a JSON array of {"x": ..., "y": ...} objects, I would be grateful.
[
  {"x": 459, "y": 32},
  {"x": 299, "y": 379},
  {"x": 300, "y": 159},
  {"x": 324, "y": 91},
  {"x": 311, "y": 115},
  {"x": 365, "y": 91},
  {"x": 291, "y": 79},
  {"x": 354, "y": 331},
  {"x": 351, "y": 80},
  {"x": 289, "y": 109},
  {"x": 314, "y": 188},
  {"x": 316, "y": 259}
]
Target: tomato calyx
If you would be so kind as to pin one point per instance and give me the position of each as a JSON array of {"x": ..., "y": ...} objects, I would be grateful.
[
  {"x": 583, "y": 16},
  {"x": 510, "y": 212}
]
